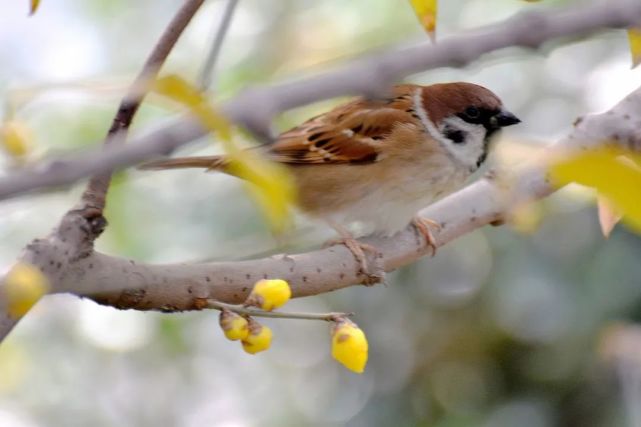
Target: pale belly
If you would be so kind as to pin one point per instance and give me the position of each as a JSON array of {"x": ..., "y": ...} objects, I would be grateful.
[
  {"x": 383, "y": 207},
  {"x": 391, "y": 208}
]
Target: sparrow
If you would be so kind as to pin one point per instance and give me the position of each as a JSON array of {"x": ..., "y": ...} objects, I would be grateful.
[{"x": 379, "y": 161}]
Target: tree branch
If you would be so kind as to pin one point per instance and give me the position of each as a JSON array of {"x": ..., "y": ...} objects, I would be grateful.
[
  {"x": 125, "y": 283},
  {"x": 255, "y": 107},
  {"x": 96, "y": 191},
  {"x": 72, "y": 240},
  {"x": 67, "y": 258}
]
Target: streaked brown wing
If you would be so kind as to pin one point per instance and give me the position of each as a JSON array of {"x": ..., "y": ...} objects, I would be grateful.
[{"x": 351, "y": 133}]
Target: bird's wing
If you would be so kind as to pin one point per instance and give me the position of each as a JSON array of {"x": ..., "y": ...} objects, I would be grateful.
[{"x": 350, "y": 133}]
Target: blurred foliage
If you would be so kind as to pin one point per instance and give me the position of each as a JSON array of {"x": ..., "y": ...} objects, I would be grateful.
[
  {"x": 426, "y": 11},
  {"x": 24, "y": 285},
  {"x": 615, "y": 173},
  {"x": 634, "y": 36},
  {"x": 15, "y": 139},
  {"x": 33, "y": 6},
  {"x": 501, "y": 328},
  {"x": 269, "y": 184}
]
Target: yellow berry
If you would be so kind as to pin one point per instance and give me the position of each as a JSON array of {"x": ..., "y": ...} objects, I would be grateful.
[
  {"x": 259, "y": 338},
  {"x": 269, "y": 294},
  {"x": 23, "y": 286},
  {"x": 234, "y": 326},
  {"x": 349, "y": 345},
  {"x": 15, "y": 138}
]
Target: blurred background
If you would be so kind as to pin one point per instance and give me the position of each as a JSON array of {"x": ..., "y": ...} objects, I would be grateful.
[{"x": 529, "y": 325}]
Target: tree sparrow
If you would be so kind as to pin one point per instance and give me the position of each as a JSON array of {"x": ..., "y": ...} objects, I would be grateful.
[{"x": 378, "y": 162}]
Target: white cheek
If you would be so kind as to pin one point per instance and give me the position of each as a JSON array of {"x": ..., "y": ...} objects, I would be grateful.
[{"x": 469, "y": 151}]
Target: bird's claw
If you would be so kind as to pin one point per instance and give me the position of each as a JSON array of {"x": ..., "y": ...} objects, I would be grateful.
[
  {"x": 422, "y": 225},
  {"x": 374, "y": 275}
]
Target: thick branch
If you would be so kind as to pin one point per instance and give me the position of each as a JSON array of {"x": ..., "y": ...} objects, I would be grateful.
[
  {"x": 255, "y": 107},
  {"x": 67, "y": 258},
  {"x": 127, "y": 284}
]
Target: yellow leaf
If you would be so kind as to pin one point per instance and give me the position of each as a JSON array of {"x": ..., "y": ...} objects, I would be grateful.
[
  {"x": 349, "y": 345},
  {"x": 179, "y": 90},
  {"x": 634, "y": 37},
  {"x": 259, "y": 338},
  {"x": 234, "y": 325},
  {"x": 609, "y": 216},
  {"x": 23, "y": 286},
  {"x": 426, "y": 12},
  {"x": 271, "y": 185},
  {"x": 34, "y": 6},
  {"x": 15, "y": 138},
  {"x": 269, "y": 294},
  {"x": 615, "y": 178}
]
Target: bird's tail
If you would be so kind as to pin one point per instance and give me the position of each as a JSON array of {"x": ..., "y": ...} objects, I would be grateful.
[{"x": 211, "y": 163}]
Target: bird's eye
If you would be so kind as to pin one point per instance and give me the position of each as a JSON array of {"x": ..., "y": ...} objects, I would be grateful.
[{"x": 472, "y": 112}]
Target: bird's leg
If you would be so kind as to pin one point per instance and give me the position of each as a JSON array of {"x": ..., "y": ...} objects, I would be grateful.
[
  {"x": 423, "y": 225},
  {"x": 357, "y": 249}
]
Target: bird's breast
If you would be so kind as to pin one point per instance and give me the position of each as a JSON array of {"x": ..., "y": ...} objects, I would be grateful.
[{"x": 383, "y": 196}]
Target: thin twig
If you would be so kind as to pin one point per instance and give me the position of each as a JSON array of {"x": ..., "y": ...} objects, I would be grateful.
[
  {"x": 206, "y": 74},
  {"x": 96, "y": 191},
  {"x": 81, "y": 225},
  {"x": 240, "y": 309}
]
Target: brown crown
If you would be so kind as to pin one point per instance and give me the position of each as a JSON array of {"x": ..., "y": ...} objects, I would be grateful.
[{"x": 447, "y": 99}]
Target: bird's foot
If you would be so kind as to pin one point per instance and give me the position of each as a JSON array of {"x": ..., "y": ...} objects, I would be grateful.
[
  {"x": 358, "y": 249},
  {"x": 423, "y": 226}
]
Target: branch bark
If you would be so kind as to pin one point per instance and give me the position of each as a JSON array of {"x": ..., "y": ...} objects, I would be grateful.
[
  {"x": 255, "y": 107},
  {"x": 72, "y": 240},
  {"x": 67, "y": 258},
  {"x": 96, "y": 191},
  {"x": 125, "y": 283}
]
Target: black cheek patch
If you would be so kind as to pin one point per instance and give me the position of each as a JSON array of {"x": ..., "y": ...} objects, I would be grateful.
[{"x": 454, "y": 135}]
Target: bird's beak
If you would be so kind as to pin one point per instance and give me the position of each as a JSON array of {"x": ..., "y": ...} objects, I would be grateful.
[{"x": 504, "y": 118}]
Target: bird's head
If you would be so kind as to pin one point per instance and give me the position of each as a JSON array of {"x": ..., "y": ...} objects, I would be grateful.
[{"x": 462, "y": 117}]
